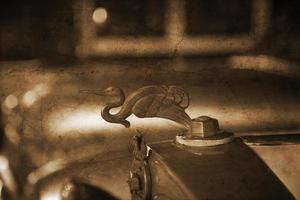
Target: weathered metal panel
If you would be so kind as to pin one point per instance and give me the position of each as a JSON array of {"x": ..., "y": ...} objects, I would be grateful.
[{"x": 230, "y": 171}]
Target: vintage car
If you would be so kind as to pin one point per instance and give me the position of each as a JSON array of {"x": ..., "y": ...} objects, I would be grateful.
[
  {"x": 220, "y": 134},
  {"x": 162, "y": 100}
]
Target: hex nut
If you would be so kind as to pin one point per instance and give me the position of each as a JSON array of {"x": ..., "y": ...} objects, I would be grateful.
[{"x": 204, "y": 127}]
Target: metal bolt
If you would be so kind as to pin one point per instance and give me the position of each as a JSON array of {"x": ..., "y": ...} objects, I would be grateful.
[{"x": 204, "y": 127}]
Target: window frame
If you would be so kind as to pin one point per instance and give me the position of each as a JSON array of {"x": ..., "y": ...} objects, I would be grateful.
[{"x": 175, "y": 40}]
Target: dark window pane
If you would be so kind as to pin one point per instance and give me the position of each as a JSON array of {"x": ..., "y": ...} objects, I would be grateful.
[
  {"x": 218, "y": 16},
  {"x": 131, "y": 17}
]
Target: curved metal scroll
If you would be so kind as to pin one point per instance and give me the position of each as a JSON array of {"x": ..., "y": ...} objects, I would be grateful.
[
  {"x": 162, "y": 101},
  {"x": 139, "y": 176}
]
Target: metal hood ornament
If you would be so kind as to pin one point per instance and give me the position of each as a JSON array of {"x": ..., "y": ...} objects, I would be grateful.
[
  {"x": 162, "y": 101},
  {"x": 167, "y": 102}
]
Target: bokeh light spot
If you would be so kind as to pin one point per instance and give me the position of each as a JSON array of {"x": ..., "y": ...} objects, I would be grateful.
[
  {"x": 12, "y": 134},
  {"x": 100, "y": 15},
  {"x": 29, "y": 98},
  {"x": 3, "y": 163},
  {"x": 11, "y": 101}
]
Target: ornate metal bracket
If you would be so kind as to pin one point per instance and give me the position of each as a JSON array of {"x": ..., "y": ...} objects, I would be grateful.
[
  {"x": 162, "y": 101},
  {"x": 139, "y": 176}
]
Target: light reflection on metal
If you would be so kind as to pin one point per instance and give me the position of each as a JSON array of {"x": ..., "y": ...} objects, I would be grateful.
[
  {"x": 271, "y": 139},
  {"x": 87, "y": 119},
  {"x": 66, "y": 121},
  {"x": 221, "y": 138},
  {"x": 84, "y": 119},
  {"x": 246, "y": 118}
]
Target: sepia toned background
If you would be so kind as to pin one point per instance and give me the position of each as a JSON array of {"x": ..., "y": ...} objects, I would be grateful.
[{"x": 238, "y": 59}]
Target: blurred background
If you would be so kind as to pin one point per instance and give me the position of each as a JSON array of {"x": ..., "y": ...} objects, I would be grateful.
[
  {"x": 238, "y": 59},
  {"x": 60, "y": 31}
]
